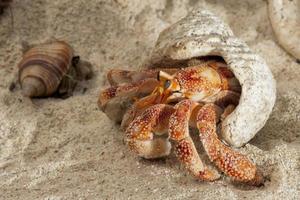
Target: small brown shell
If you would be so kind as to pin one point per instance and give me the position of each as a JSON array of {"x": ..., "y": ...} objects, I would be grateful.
[{"x": 43, "y": 67}]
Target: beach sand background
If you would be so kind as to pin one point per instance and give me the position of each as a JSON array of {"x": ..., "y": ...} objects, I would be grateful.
[{"x": 68, "y": 149}]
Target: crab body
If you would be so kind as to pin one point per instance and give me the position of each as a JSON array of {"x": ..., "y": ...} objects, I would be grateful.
[
  {"x": 201, "y": 83},
  {"x": 169, "y": 101}
]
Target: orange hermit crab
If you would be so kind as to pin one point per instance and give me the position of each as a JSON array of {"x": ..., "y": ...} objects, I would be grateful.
[
  {"x": 217, "y": 80},
  {"x": 198, "y": 96}
]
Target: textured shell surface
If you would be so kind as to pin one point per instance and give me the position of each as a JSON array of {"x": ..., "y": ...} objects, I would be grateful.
[
  {"x": 285, "y": 19},
  {"x": 203, "y": 34},
  {"x": 43, "y": 67}
]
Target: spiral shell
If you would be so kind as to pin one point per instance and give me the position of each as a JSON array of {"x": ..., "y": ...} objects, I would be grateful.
[
  {"x": 43, "y": 67},
  {"x": 203, "y": 34}
]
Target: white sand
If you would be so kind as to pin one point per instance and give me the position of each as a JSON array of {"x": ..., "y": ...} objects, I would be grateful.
[{"x": 68, "y": 149}]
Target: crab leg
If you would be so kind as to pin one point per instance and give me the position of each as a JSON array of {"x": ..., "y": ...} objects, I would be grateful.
[
  {"x": 232, "y": 163},
  {"x": 132, "y": 86},
  {"x": 139, "y": 134},
  {"x": 225, "y": 97},
  {"x": 117, "y": 99},
  {"x": 185, "y": 148},
  {"x": 128, "y": 89},
  {"x": 118, "y": 76},
  {"x": 138, "y": 107},
  {"x": 227, "y": 111}
]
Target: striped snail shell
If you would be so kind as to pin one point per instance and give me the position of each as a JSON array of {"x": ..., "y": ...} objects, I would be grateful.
[{"x": 43, "y": 67}]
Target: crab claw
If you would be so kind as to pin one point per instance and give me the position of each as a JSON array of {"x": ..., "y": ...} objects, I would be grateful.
[{"x": 143, "y": 134}]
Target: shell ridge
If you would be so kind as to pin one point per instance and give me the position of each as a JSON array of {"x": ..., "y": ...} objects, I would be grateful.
[{"x": 42, "y": 63}]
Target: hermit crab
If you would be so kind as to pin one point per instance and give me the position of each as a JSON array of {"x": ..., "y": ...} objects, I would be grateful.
[
  {"x": 51, "y": 69},
  {"x": 199, "y": 75}
]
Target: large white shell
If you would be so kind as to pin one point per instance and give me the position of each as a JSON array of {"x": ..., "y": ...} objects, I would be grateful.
[
  {"x": 202, "y": 34},
  {"x": 285, "y": 19}
]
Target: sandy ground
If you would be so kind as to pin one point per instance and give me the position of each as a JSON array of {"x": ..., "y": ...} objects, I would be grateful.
[{"x": 68, "y": 149}]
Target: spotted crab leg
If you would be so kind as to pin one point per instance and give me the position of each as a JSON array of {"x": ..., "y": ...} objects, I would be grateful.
[
  {"x": 184, "y": 146},
  {"x": 138, "y": 107},
  {"x": 232, "y": 163},
  {"x": 140, "y": 135},
  {"x": 127, "y": 89},
  {"x": 117, "y": 99}
]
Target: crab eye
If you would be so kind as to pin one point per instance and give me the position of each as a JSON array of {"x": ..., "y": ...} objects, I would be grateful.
[{"x": 167, "y": 84}]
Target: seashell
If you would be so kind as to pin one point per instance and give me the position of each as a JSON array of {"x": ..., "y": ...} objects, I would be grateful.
[
  {"x": 285, "y": 19},
  {"x": 43, "y": 68},
  {"x": 202, "y": 34}
]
